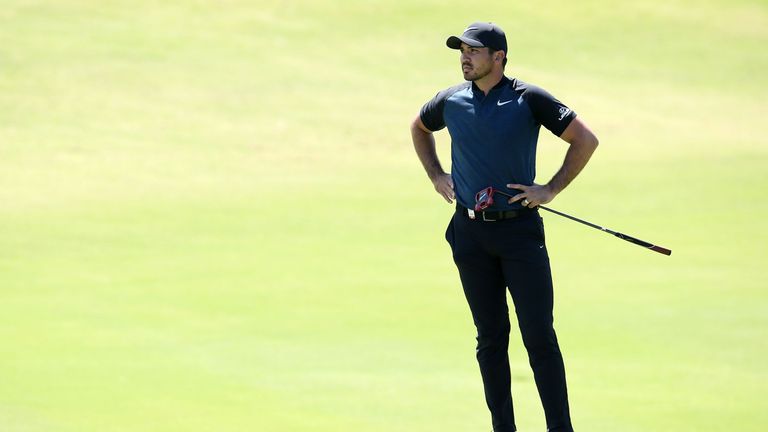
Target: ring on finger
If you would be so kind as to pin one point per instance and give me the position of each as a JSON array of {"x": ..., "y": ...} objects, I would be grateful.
[{"x": 525, "y": 202}]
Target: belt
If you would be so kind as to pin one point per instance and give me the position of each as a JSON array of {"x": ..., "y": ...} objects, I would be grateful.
[{"x": 493, "y": 216}]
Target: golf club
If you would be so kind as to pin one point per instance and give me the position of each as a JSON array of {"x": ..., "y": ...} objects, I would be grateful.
[{"x": 484, "y": 199}]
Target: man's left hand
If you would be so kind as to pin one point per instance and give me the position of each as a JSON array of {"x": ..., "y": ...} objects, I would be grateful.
[{"x": 532, "y": 196}]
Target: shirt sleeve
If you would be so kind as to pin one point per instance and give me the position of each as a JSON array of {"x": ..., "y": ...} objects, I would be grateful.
[
  {"x": 550, "y": 112},
  {"x": 431, "y": 113}
]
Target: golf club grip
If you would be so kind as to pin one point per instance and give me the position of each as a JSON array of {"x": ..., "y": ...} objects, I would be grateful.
[{"x": 642, "y": 243}]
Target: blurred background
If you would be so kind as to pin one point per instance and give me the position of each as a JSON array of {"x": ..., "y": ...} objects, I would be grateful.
[{"x": 212, "y": 217}]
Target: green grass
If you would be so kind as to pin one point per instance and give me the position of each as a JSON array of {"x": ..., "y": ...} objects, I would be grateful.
[{"x": 211, "y": 216}]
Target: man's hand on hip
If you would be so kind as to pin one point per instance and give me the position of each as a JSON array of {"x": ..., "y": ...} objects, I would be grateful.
[
  {"x": 532, "y": 196},
  {"x": 444, "y": 186}
]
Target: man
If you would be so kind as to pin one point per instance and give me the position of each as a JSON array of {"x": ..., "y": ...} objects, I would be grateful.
[{"x": 494, "y": 123}]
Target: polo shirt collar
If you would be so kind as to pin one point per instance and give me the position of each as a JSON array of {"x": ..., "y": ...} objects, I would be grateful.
[{"x": 504, "y": 81}]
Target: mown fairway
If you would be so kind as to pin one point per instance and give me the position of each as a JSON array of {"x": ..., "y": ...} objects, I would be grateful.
[{"x": 212, "y": 218}]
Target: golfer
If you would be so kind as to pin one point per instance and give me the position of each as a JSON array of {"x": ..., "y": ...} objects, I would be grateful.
[{"x": 494, "y": 124}]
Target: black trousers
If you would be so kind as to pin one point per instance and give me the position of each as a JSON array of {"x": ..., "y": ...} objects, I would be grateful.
[{"x": 493, "y": 257}]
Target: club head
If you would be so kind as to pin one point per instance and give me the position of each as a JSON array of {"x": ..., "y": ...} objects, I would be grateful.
[{"x": 484, "y": 199}]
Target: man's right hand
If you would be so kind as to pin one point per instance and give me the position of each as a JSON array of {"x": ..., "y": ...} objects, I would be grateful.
[
  {"x": 444, "y": 186},
  {"x": 424, "y": 143}
]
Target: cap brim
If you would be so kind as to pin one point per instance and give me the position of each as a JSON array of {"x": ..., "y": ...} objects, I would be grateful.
[{"x": 454, "y": 42}]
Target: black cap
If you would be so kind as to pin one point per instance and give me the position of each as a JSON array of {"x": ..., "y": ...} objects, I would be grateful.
[{"x": 480, "y": 34}]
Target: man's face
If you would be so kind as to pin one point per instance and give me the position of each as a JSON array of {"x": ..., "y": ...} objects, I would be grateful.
[{"x": 475, "y": 62}]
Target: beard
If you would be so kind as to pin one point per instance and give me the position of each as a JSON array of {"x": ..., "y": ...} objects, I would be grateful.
[{"x": 474, "y": 73}]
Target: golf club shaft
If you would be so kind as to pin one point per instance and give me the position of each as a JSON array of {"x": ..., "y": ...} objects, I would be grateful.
[{"x": 630, "y": 239}]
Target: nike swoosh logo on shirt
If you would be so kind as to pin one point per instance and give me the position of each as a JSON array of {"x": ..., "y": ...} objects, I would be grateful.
[{"x": 500, "y": 103}]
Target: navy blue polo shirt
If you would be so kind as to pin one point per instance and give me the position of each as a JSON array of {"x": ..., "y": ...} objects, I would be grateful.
[{"x": 493, "y": 137}]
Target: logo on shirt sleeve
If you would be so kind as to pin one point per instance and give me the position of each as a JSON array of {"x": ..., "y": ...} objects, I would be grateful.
[{"x": 564, "y": 111}]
